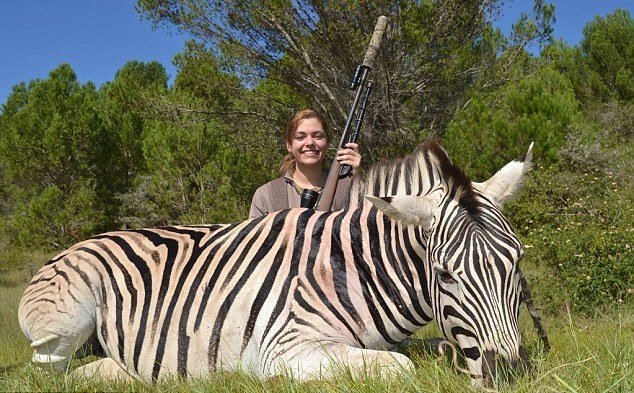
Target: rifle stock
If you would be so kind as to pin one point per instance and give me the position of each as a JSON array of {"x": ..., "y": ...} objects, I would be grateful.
[
  {"x": 330, "y": 187},
  {"x": 359, "y": 82}
]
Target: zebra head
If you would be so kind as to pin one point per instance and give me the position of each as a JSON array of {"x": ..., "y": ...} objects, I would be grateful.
[{"x": 472, "y": 256}]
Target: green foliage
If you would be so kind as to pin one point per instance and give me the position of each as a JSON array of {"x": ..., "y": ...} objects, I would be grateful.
[
  {"x": 55, "y": 150},
  {"x": 57, "y": 219},
  {"x": 495, "y": 128},
  {"x": 527, "y": 29},
  {"x": 51, "y": 139},
  {"x": 67, "y": 150},
  {"x": 433, "y": 54},
  {"x": 200, "y": 75},
  {"x": 601, "y": 67},
  {"x": 124, "y": 104},
  {"x": 608, "y": 45},
  {"x": 570, "y": 62},
  {"x": 198, "y": 174},
  {"x": 577, "y": 227},
  {"x": 577, "y": 215}
]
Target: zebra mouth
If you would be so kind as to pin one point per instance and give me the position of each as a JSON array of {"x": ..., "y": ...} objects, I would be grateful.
[{"x": 496, "y": 369}]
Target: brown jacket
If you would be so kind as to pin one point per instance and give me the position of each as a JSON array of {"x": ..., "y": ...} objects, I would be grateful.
[{"x": 263, "y": 203}]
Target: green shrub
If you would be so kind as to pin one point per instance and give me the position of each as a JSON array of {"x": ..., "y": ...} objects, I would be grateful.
[
  {"x": 608, "y": 45},
  {"x": 577, "y": 231},
  {"x": 199, "y": 174},
  {"x": 494, "y": 129},
  {"x": 55, "y": 220}
]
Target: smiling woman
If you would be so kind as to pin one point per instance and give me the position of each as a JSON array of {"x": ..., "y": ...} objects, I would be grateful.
[
  {"x": 307, "y": 140},
  {"x": 307, "y": 148}
]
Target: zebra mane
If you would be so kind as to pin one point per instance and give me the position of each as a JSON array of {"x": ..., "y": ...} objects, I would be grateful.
[{"x": 416, "y": 174}]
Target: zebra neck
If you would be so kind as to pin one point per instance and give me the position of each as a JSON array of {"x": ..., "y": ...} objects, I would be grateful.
[{"x": 390, "y": 260}]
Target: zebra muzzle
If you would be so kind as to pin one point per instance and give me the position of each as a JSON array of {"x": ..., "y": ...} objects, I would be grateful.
[{"x": 497, "y": 369}]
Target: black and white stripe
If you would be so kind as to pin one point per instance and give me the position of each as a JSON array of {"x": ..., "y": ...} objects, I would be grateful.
[{"x": 293, "y": 289}]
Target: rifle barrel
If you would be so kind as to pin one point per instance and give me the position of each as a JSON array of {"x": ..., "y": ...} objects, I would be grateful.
[{"x": 359, "y": 81}]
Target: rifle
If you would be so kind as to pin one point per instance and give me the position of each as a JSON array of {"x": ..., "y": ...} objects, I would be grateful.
[{"x": 364, "y": 88}]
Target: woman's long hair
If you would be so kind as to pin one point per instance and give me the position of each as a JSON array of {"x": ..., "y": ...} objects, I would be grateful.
[{"x": 288, "y": 163}]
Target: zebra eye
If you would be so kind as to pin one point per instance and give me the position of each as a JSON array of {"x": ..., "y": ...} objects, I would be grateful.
[{"x": 445, "y": 276}]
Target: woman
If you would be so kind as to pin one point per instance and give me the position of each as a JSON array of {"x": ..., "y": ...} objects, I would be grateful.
[{"x": 307, "y": 141}]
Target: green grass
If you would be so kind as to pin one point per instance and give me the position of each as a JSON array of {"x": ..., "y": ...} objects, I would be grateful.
[{"x": 588, "y": 355}]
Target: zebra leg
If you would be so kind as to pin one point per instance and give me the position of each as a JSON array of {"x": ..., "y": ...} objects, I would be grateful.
[
  {"x": 58, "y": 316},
  {"x": 56, "y": 350},
  {"x": 106, "y": 369}
]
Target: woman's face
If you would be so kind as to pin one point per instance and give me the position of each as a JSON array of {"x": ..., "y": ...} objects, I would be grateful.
[{"x": 309, "y": 144}]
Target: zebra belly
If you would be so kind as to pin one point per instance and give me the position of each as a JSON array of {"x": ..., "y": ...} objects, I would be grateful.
[
  {"x": 161, "y": 347},
  {"x": 191, "y": 344}
]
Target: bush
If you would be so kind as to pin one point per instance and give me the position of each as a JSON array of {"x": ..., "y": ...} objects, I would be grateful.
[
  {"x": 608, "y": 44},
  {"x": 200, "y": 174},
  {"x": 605, "y": 146},
  {"x": 491, "y": 130},
  {"x": 56, "y": 220},
  {"x": 577, "y": 231}
]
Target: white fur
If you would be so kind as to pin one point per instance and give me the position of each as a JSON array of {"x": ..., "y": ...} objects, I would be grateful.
[
  {"x": 503, "y": 186},
  {"x": 407, "y": 209}
]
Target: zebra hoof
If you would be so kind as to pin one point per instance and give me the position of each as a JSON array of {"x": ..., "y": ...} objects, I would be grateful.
[{"x": 59, "y": 363}]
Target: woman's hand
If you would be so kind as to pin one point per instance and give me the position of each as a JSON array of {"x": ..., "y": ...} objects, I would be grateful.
[{"x": 350, "y": 156}]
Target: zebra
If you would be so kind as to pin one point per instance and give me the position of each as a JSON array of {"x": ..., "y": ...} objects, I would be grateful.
[{"x": 297, "y": 292}]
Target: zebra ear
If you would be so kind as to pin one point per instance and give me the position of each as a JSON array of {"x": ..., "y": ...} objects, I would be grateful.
[
  {"x": 503, "y": 186},
  {"x": 407, "y": 209}
]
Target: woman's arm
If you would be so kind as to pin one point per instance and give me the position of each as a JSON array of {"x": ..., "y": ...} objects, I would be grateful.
[{"x": 259, "y": 203}]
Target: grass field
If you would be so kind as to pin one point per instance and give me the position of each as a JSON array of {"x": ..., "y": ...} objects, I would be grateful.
[{"x": 588, "y": 355}]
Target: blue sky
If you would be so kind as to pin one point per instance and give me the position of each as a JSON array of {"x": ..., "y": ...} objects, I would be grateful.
[{"x": 97, "y": 37}]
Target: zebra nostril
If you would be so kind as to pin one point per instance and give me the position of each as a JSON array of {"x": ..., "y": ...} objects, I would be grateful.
[
  {"x": 489, "y": 368},
  {"x": 496, "y": 369},
  {"x": 525, "y": 365}
]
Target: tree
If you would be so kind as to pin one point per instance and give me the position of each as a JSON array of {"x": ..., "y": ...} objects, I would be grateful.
[
  {"x": 432, "y": 54},
  {"x": 55, "y": 151},
  {"x": 570, "y": 62},
  {"x": 608, "y": 46},
  {"x": 195, "y": 149},
  {"x": 52, "y": 133},
  {"x": 125, "y": 111},
  {"x": 600, "y": 68},
  {"x": 499, "y": 126},
  {"x": 195, "y": 174}
]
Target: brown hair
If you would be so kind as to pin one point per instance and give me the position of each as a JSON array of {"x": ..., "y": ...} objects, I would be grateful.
[{"x": 288, "y": 163}]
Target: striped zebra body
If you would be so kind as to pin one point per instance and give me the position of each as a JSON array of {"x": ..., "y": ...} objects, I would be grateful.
[{"x": 296, "y": 290}]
